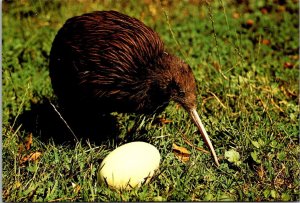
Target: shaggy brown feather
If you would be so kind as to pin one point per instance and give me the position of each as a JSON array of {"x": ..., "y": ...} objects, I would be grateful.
[{"x": 106, "y": 61}]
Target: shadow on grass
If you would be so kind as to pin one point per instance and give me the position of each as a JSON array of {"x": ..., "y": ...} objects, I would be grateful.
[{"x": 44, "y": 122}]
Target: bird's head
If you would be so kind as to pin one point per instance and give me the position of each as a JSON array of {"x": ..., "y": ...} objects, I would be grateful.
[{"x": 182, "y": 85}]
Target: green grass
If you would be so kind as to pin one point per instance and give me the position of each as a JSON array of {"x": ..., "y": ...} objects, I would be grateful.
[{"x": 248, "y": 84}]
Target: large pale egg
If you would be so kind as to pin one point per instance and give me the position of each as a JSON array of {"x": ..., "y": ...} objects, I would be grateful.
[{"x": 129, "y": 165}]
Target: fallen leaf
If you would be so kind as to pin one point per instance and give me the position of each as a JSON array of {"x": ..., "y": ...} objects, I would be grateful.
[
  {"x": 261, "y": 172},
  {"x": 281, "y": 8},
  {"x": 288, "y": 65},
  {"x": 181, "y": 153},
  {"x": 180, "y": 149},
  {"x": 76, "y": 188},
  {"x": 165, "y": 121},
  {"x": 18, "y": 184},
  {"x": 153, "y": 9},
  {"x": 265, "y": 41},
  {"x": 21, "y": 149},
  {"x": 26, "y": 145},
  {"x": 28, "y": 141},
  {"x": 278, "y": 182},
  {"x": 264, "y": 11},
  {"x": 216, "y": 65},
  {"x": 190, "y": 144},
  {"x": 295, "y": 57},
  {"x": 31, "y": 157},
  {"x": 250, "y": 22},
  {"x": 236, "y": 15}
]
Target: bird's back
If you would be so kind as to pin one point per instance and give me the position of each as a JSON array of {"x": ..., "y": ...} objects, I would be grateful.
[{"x": 103, "y": 59}]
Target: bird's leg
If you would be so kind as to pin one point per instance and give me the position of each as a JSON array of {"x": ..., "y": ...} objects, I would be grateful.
[
  {"x": 133, "y": 129},
  {"x": 138, "y": 127}
]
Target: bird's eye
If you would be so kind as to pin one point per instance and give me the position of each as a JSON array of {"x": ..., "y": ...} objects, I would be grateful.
[{"x": 181, "y": 93}]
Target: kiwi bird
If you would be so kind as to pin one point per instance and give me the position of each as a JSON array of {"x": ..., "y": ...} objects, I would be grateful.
[{"x": 105, "y": 61}]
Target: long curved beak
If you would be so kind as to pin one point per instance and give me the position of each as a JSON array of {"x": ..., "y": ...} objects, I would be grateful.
[{"x": 195, "y": 117}]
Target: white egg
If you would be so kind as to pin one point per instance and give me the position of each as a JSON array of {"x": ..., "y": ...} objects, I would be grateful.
[{"x": 129, "y": 165}]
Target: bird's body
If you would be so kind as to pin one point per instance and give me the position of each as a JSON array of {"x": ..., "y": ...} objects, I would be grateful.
[
  {"x": 106, "y": 61},
  {"x": 111, "y": 62}
]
